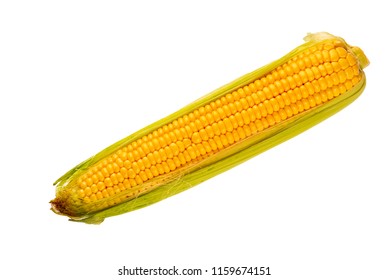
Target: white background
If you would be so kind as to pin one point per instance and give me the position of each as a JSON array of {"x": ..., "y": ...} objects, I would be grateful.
[{"x": 76, "y": 76}]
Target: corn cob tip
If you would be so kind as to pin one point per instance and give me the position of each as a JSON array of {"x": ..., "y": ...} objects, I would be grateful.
[
  {"x": 358, "y": 52},
  {"x": 58, "y": 206}
]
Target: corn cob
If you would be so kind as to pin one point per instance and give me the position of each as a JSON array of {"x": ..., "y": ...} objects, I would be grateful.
[{"x": 224, "y": 128}]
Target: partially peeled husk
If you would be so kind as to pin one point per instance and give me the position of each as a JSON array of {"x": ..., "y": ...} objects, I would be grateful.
[{"x": 183, "y": 179}]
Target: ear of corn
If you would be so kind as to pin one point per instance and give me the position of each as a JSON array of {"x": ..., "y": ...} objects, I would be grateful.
[{"x": 217, "y": 132}]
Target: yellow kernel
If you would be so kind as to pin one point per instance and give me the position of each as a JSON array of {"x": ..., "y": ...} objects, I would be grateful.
[
  {"x": 341, "y": 52},
  {"x": 224, "y": 140},
  {"x": 343, "y": 63},
  {"x": 110, "y": 191},
  {"x": 262, "y": 109},
  {"x": 228, "y": 124},
  {"x": 312, "y": 102},
  {"x": 244, "y": 104},
  {"x": 304, "y": 91},
  {"x": 250, "y": 101},
  {"x": 149, "y": 174},
  {"x": 222, "y": 127},
  {"x": 139, "y": 180},
  {"x": 276, "y": 88},
  {"x": 237, "y": 120},
  {"x": 323, "y": 96},
  {"x": 342, "y": 89},
  {"x": 172, "y": 136},
  {"x": 261, "y": 96},
  {"x": 322, "y": 83},
  {"x": 221, "y": 113},
  {"x": 300, "y": 106},
  {"x": 283, "y": 114},
  {"x": 196, "y": 138},
  {"x": 89, "y": 182},
  {"x": 355, "y": 80},
  {"x": 174, "y": 148},
  {"x": 238, "y": 106},
  {"x": 356, "y": 69},
  {"x": 100, "y": 186},
  {"x": 328, "y": 68},
  {"x": 267, "y": 93},
  {"x": 349, "y": 73},
  {"x": 252, "y": 87},
  {"x": 259, "y": 125},
  {"x": 307, "y": 62},
  {"x": 316, "y": 86},
  {"x": 310, "y": 74},
  {"x": 316, "y": 72},
  {"x": 100, "y": 176},
  {"x": 88, "y": 191},
  {"x": 251, "y": 112},
  {"x": 342, "y": 77},
  {"x": 268, "y": 106},
  {"x": 258, "y": 84},
  {"x": 294, "y": 108},
  {"x": 83, "y": 185},
  {"x": 241, "y": 134},
  {"x": 288, "y": 70},
  {"x": 109, "y": 168},
  {"x": 280, "y": 101},
  {"x": 328, "y": 46},
  {"x": 313, "y": 59},
  {"x": 291, "y": 82},
  {"x": 351, "y": 59},
  {"x": 241, "y": 92},
  {"x": 348, "y": 84},
  {"x": 249, "y": 129},
  {"x": 309, "y": 87},
  {"x": 203, "y": 120},
  {"x": 306, "y": 104},
  {"x": 94, "y": 188},
  {"x": 277, "y": 117},
  {"x": 154, "y": 171},
  {"x": 209, "y": 131},
  {"x": 245, "y": 116},
  {"x": 191, "y": 152},
  {"x": 143, "y": 176},
  {"x": 264, "y": 81},
  {"x": 169, "y": 152},
  {"x": 285, "y": 84},
  {"x": 218, "y": 142},
  {"x": 203, "y": 135},
  {"x": 119, "y": 177},
  {"x": 81, "y": 193},
  {"x": 317, "y": 98},
  {"x": 286, "y": 98},
  {"x": 235, "y": 135},
  {"x": 303, "y": 76},
  {"x": 159, "y": 168},
  {"x": 334, "y": 55},
  {"x": 93, "y": 198},
  {"x": 99, "y": 195},
  {"x": 230, "y": 138},
  {"x": 105, "y": 193},
  {"x": 270, "y": 120},
  {"x": 274, "y": 104},
  {"x": 108, "y": 182}
]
